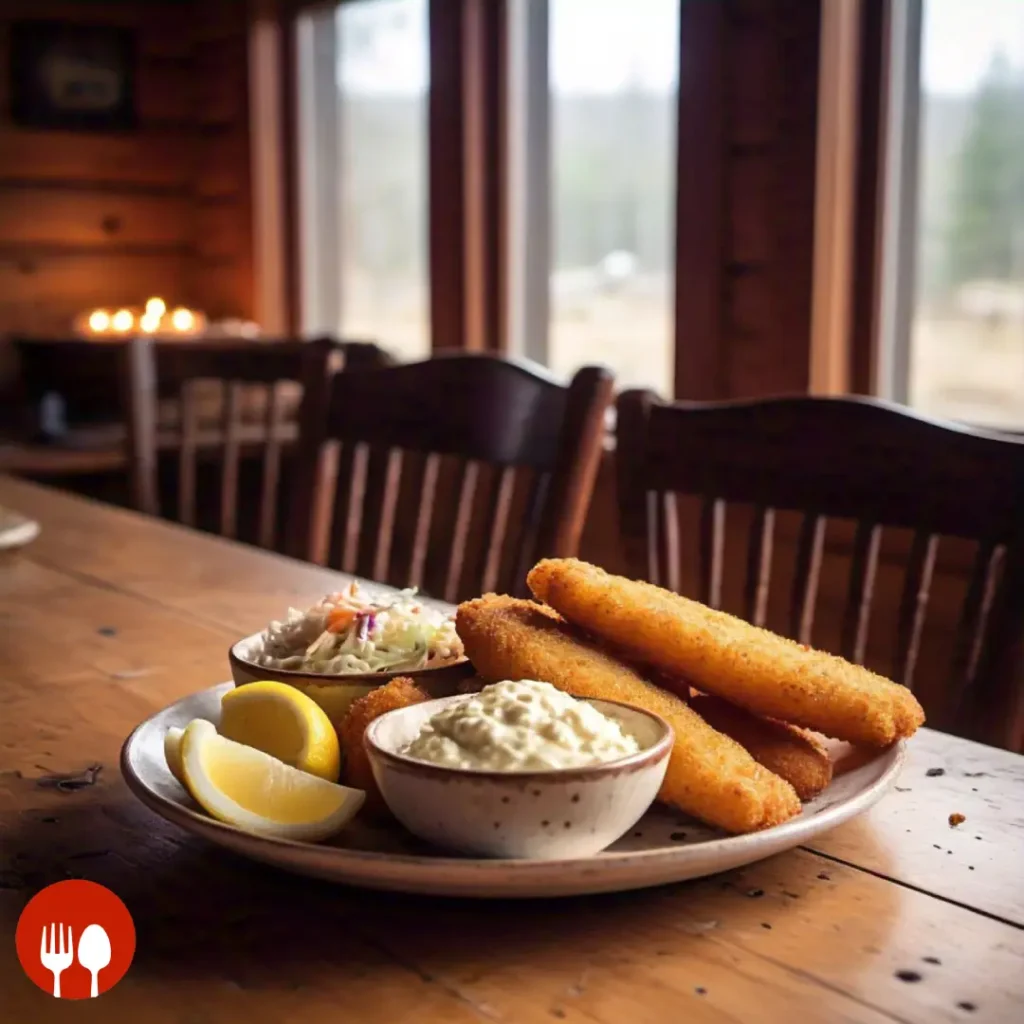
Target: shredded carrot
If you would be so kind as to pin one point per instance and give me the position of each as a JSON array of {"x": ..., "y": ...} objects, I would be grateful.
[{"x": 340, "y": 619}]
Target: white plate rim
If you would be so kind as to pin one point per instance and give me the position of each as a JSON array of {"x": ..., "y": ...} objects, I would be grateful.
[
  {"x": 21, "y": 532},
  {"x": 433, "y": 871}
]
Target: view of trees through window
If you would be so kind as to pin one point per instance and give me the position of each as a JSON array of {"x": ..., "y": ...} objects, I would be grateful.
[
  {"x": 383, "y": 75},
  {"x": 613, "y": 166},
  {"x": 967, "y": 357},
  {"x": 613, "y": 104}
]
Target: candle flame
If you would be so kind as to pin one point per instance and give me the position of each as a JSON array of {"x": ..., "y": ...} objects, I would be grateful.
[
  {"x": 123, "y": 320},
  {"x": 183, "y": 319},
  {"x": 155, "y": 307},
  {"x": 99, "y": 320}
]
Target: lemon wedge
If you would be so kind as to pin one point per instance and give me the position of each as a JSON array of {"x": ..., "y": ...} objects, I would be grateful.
[
  {"x": 250, "y": 789},
  {"x": 283, "y": 722},
  {"x": 172, "y": 751}
]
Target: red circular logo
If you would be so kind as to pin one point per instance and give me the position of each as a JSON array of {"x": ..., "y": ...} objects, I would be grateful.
[{"x": 75, "y": 939}]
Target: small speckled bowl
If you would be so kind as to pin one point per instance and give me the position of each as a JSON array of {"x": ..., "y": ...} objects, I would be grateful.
[
  {"x": 546, "y": 815},
  {"x": 334, "y": 693}
]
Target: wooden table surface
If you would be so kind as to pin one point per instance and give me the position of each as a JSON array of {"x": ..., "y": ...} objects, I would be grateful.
[{"x": 109, "y": 616}]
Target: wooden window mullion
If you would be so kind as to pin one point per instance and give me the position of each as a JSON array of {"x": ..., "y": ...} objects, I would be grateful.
[
  {"x": 467, "y": 174},
  {"x": 701, "y": 149}
]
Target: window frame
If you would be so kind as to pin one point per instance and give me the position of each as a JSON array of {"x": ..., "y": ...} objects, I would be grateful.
[
  {"x": 481, "y": 297},
  {"x": 898, "y": 188},
  {"x": 530, "y": 199}
]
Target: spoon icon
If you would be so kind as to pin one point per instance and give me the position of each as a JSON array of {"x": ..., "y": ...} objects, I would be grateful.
[{"x": 94, "y": 953}]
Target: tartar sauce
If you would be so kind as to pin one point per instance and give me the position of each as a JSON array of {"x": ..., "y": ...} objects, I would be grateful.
[{"x": 520, "y": 726}]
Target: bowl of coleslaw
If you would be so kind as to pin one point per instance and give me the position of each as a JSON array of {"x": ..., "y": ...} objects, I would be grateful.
[{"x": 351, "y": 642}]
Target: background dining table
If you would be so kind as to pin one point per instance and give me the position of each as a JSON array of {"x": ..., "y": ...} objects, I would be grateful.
[{"x": 108, "y": 616}]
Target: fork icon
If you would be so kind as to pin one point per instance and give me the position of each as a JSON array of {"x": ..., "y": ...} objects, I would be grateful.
[{"x": 59, "y": 956}]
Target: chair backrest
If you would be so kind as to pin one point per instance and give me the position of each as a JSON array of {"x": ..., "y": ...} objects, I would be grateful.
[
  {"x": 230, "y": 398},
  {"x": 451, "y": 475},
  {"x": 853, "y": 459}
]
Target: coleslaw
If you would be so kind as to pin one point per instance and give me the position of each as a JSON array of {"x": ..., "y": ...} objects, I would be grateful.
[{"x": 350, "y": 632}]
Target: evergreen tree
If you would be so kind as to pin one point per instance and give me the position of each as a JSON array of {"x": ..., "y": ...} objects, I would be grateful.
[{"x": 987, "y": 224}]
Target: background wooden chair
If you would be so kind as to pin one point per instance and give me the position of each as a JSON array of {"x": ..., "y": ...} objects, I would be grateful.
[
  {"x": 230, "y": 402},
  {"x": 452, "y": 475},
  {"x": 873, "y": 490},
  {"x": 66, "y": 420}
]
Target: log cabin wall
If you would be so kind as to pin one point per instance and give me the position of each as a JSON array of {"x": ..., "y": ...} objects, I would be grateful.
[
  {"x": 221, "y": 267},
  {"x": 110, "y": 218}
]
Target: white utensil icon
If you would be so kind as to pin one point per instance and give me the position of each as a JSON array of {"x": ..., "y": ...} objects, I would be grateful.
[
  {"x": 94, "y": 953},
  {"x": 59, "y": 955}
]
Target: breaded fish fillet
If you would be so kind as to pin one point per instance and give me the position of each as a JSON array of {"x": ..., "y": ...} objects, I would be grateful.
[
  {"x": 355, "y": 770},
  {"x": 787, "y": 750},
  {"x": 709, "y": 775},
  {"x": 727, "y": 657}
]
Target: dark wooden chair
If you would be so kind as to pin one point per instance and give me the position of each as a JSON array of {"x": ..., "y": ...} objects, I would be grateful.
[
  {"x": 451, "y": 475},
  {"x": 872, "y": 463},
  {"x": 66, "y": 415},
  {"x": 229, "y": 400}
]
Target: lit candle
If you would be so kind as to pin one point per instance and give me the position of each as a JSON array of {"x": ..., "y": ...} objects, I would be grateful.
[
  {"x": 148, "y": 323},
  {"x": 183, "y": 320},
  {"x": 122, "y": 321},
  {"x": 156, "y": 308},
  {"x": 99, "y": 321}
]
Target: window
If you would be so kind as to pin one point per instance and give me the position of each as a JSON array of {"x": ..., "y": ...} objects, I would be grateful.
[
  {"x": 596, "y": 176},
  {"x": 966, "y": 315},
  {"x": 363, "y": 77}
]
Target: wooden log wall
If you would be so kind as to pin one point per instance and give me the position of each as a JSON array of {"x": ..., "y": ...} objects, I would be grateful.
[{"x": 110, "y": 218}]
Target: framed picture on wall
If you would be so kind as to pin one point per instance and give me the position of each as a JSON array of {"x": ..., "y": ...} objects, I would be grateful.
[{"x": 72, "y": 76}]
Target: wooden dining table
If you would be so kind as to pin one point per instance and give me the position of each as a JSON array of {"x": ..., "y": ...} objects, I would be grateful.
[{"x": 898, "y": 915}]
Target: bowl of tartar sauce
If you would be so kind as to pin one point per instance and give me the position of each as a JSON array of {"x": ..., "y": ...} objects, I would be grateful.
[{"x": 519, "y": 770}]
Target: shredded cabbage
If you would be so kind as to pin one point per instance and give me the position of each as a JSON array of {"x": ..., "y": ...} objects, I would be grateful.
[{"x": 349, "y": 632}]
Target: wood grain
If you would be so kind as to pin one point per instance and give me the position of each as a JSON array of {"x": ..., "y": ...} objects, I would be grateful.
[
  {"x": 908, "y": 836},
  {"x": 161, "y": 28},
  {"x": 222, "y": 163},
  {"x": 166, "y": 91},
  {"x": 68, "y": 200},
  {"x": 701, "y": 204},
  {"x": 859, "y": 468},
  {"x": 515, "y": 415},
  {"x": 751, "y": 210},
  {"x": 220, "y": 63},
  {"x": 80, "y": 279},
  {"x": 41, "y": 291},
  {"x": 70, "y": 217},
  {"x": 155, "y": 157},
  {"x": 149, "y": 608},
  {"x": 222, "y": 228}
]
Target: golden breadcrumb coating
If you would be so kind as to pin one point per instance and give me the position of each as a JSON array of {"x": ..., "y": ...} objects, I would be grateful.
[
  {"x": 355, "y": 769},
  {"x": 709, "y": 775},
  {"x": 727, "y": 657},
  {"x": 789, "y": 751}
]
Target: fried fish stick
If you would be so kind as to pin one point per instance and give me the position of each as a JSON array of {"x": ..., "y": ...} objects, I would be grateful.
[
  {"x": 709, "y": 775},
  {"x": 790, "y": 752},
  {"x": 356, "y": 771},
  {"x": 727, "y": 657}
]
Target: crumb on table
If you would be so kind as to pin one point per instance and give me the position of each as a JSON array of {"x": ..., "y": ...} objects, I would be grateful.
[{"x": 956, "y": 819}]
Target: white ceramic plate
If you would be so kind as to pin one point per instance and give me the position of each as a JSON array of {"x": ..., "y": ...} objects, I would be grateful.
[
  {"x": 663, "y": 847},
  {"x": 16, "y": 530}
]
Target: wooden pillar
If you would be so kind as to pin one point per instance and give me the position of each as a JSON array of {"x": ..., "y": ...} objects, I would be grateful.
[
  {"x": 466, "y": 115},
  {"x": 700, "y": 201}
]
